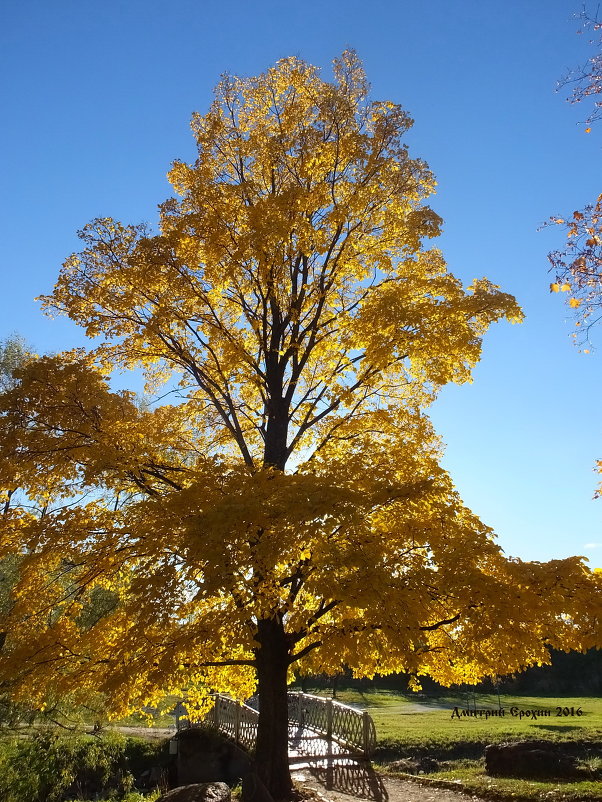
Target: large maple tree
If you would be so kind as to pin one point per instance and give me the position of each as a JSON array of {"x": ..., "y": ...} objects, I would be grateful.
[{"x": 283, "y": 506}]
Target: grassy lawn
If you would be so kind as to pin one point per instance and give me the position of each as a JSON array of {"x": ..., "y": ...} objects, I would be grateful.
[
  {"x": 414, "y": 720},
  {"x": 473, "y": 779},
  {"x": 414, "y": 726}
]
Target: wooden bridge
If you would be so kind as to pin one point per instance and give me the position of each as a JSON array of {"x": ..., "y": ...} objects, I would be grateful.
[{"x": 318, "y": 727}]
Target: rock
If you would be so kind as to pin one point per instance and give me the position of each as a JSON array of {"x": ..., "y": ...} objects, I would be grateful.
[
  {"x": 528, "y": 759},
  {"x": 198, "y": 792},
  {"x": 410, "y": 765}
]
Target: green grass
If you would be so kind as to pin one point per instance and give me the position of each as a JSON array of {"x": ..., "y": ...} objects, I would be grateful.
[
  {"x": 160, "y": 720},
  {"x": 415, "y": 726},
  {"x": 474, "y": 779},
  {"x": 398, "y": 719}
]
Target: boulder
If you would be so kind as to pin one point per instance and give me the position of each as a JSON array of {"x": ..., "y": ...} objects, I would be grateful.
[
  {"x": 410, "y": 765},
  {"x": 198, "y": 792},
  {"x": 529, "y": 760}
]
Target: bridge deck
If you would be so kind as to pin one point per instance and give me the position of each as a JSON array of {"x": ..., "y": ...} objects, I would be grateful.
[{"x": 304, "y": 744}]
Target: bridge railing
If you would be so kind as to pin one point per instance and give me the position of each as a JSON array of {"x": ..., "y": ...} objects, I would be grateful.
[
  {"x": 351, "y": 729},
  {"x": 234, "y": 719}
]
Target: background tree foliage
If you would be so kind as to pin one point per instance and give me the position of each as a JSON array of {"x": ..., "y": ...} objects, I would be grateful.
[
  {"x": 287, "y": 510},
  {"x": 578, "y": 267}
]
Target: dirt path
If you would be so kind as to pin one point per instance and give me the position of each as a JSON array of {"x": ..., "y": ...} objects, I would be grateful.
[
  {"x": 151, "y": 733},
  {"x": 336, "y": 785}
]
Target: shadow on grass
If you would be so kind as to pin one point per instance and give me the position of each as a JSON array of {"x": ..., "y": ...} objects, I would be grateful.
[
  {"x": 556, "y": 727},
  {"x": 383, "y": 700}
]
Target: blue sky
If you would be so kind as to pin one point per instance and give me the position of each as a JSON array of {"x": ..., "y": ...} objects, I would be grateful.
[{"x": 96, "y": 99}]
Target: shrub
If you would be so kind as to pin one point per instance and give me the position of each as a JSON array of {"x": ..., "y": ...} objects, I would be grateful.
[{"x": 49, "y": 767}]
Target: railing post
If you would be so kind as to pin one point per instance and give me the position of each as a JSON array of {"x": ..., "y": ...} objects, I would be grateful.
[
  {"x": 300, "y": 715},
  {"x": 216, "y": 712},
  {"x": 237, "y": 723},
  {"x": 329, "y": 725},
  {"x": 366, "y": 733}
]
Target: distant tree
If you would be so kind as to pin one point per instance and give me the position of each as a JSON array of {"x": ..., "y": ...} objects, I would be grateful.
[
  {"x": 569, "y": 673},
  {"x": 578, "y": 268},
  {"x": 587, "y": 80},
  {"x": 13, "y": 353},
  {"x": 287, "y": 511}
]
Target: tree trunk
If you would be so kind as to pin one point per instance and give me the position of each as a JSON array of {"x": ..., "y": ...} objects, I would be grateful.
[{"x": 271, "y": 750}]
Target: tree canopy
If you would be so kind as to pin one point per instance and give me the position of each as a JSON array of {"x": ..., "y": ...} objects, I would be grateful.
[{"x": 286, "y": 508}]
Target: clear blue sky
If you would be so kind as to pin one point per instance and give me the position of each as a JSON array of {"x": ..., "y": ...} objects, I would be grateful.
[{"x": 96, "y": 99}]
